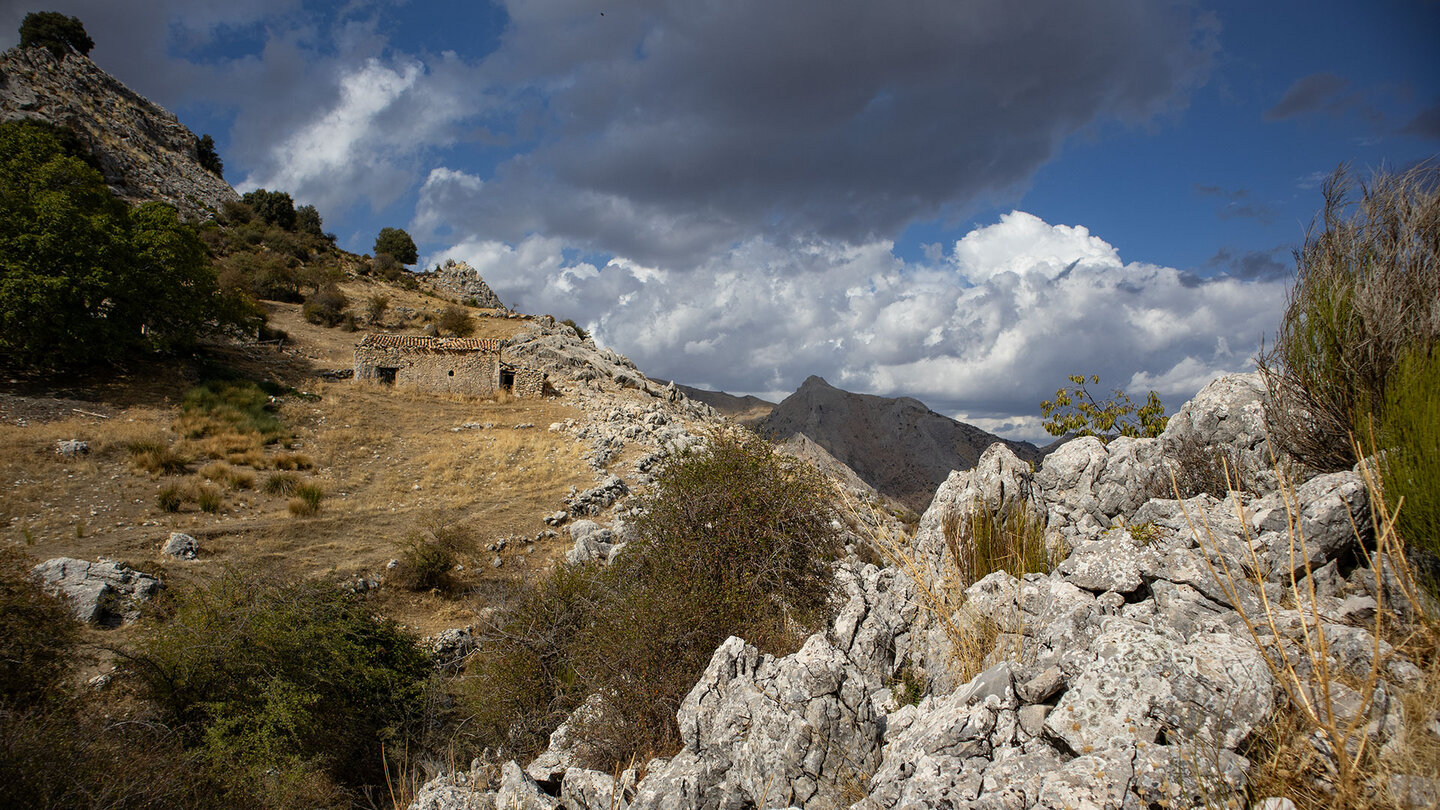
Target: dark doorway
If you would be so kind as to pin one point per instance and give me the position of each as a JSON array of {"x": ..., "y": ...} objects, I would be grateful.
[
  {"x": 507, "y": 379},
  {"x": 386, "y": 375}
]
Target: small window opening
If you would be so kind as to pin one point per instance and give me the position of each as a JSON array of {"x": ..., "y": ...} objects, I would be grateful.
[{"x": 452, "y": 372}]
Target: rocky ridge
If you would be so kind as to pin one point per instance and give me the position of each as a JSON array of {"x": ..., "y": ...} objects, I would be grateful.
[
  {"x": 464, "y": 282},
  {"x": 144, "y": 152},
  {"x": 1130, "y": 676}
]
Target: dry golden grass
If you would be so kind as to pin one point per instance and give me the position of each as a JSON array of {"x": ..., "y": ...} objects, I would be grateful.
[{"x": 1345, "y": 769}]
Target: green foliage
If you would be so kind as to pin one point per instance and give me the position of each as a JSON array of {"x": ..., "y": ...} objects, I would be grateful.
[
  {"x": 274, "y": 207},
  {"x": 1366, "y": 296},
  {"x": 428, "y": 557},
  {"x": 83, "y": 278},
  {"x": 307, "y": 220},
  {"x": 1410, "y": 438},
  {"x": 209, "y": 159},
  {"x": 734, "y": 539},
  {"x": 1074, "y": 411},
  {"x": 397, "y": 243},
  {"x": 56, "y": 33},
  {"x": 238, "y": 405},
  {"x": 325, "y": 306},
  {"x": 455, "y": 321},
  {"x": 280, "y": 681}
]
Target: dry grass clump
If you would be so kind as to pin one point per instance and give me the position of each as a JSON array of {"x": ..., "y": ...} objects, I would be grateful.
[
  {"x": 1010, "y": 540},
  {"x": 228, "y": 476},
  {"x": 281, "y": 483},
  {"x": 1366, "y": 295},
  {"x": 307, "y": 499},
  {"x": 291, "y": 461},
  {"x": 1319, "y": 752},
  {"x": 157, "y": 457}
]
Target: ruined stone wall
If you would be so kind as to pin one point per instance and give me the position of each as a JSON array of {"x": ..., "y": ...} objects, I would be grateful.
[
  {"x": 472, "y": 372},
  {"x": 528, "y": 383}
]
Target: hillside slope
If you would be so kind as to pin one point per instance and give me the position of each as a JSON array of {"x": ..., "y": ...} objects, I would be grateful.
[
  {"x": 898, "y": 446},
  {"x": 143, "y": 150}
]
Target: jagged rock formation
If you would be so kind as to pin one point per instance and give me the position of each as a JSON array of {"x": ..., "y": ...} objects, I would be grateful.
[
  {"x": 1130, "y": 676},
  {"x": 144, "y": 152},
  {"x": 898, "y": 446},
  {"x": 464, "y": 282}
]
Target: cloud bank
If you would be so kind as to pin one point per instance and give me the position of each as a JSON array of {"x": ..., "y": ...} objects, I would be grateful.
[{"x": 984, "y": 334}]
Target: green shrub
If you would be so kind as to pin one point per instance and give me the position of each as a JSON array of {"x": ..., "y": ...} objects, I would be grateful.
[
  {"x": 734, "y": 539},
  {"x": 1074, "y": 412},
  {"x": 208, "y": 158},
  {"x": 1410, "y": 439},
  {"x": 428, "y": 557},
  {"x": 1366, "y": 295},
  {"x": 279, "y": 681},
  {"x": 326, "y": 306},
  {"x": 275, "y": 207},
  {"x": 456, "y": 321},
  {"x": 522, "y": 681}
]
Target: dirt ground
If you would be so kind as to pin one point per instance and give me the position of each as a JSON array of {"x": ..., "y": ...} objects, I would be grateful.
[{"x": 390, "y": 463}]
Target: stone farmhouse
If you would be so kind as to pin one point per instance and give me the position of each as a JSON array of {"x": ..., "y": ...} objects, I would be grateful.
[{"x": 443, "y": 365}]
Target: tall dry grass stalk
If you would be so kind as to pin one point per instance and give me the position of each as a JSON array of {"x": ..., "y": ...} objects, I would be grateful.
[{"x": 1320, "y": 754}]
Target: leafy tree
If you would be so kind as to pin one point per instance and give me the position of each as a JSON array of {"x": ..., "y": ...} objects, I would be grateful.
[
  {"x": 307, "y": 220},
  {"x": 1075, "y": 411},
  {"x": 275, "y": 207},
  {"x": 55, "y": 32},
  {"x": 397, "y": 243},
  {"x": 209, "y": 160},
  {"x": 83, "y": 278}
]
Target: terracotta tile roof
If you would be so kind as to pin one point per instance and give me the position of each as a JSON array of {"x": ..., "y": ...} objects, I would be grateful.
[{"x": 383, "y": 341}]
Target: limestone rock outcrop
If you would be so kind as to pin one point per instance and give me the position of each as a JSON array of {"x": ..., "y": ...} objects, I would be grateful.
[{"x": 144, "y": 152}]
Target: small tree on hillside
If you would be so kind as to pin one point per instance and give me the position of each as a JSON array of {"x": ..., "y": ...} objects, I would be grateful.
[
  {"x": 1074, "y": 411},
  {"x": 307, "y": 220},
  {"x": 397, "y": 243},
  {"x": 55, "y": 32},
  {"x": 275, "y": 207},
  {"x": 209, "y": 160}
]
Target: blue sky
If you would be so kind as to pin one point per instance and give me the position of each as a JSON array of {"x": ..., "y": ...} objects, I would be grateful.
[{"x": 960, "y": 201}]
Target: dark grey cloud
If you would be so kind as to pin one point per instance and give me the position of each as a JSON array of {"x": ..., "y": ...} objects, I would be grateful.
[
  {"x": 1313, "y": 93},
  {"x": 1238, "y": 205},
  {"x": 1426, "y": 124},
  {"x": 1254, "y": 265},
  {"x": 839, "y": 118}
]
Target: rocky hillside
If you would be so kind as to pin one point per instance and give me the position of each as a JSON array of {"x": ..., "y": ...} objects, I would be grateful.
[
  {"x": 1174, "y": 644},
  {"x": 144, "y": 152},
  {"x": 898, "y": 446},
  {"x": 746, "y": 410}
]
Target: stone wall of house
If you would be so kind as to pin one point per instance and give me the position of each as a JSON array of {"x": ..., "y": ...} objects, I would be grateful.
[
  {"x": 443, "y": 365},
  {"x": 528, "y": 383}
]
